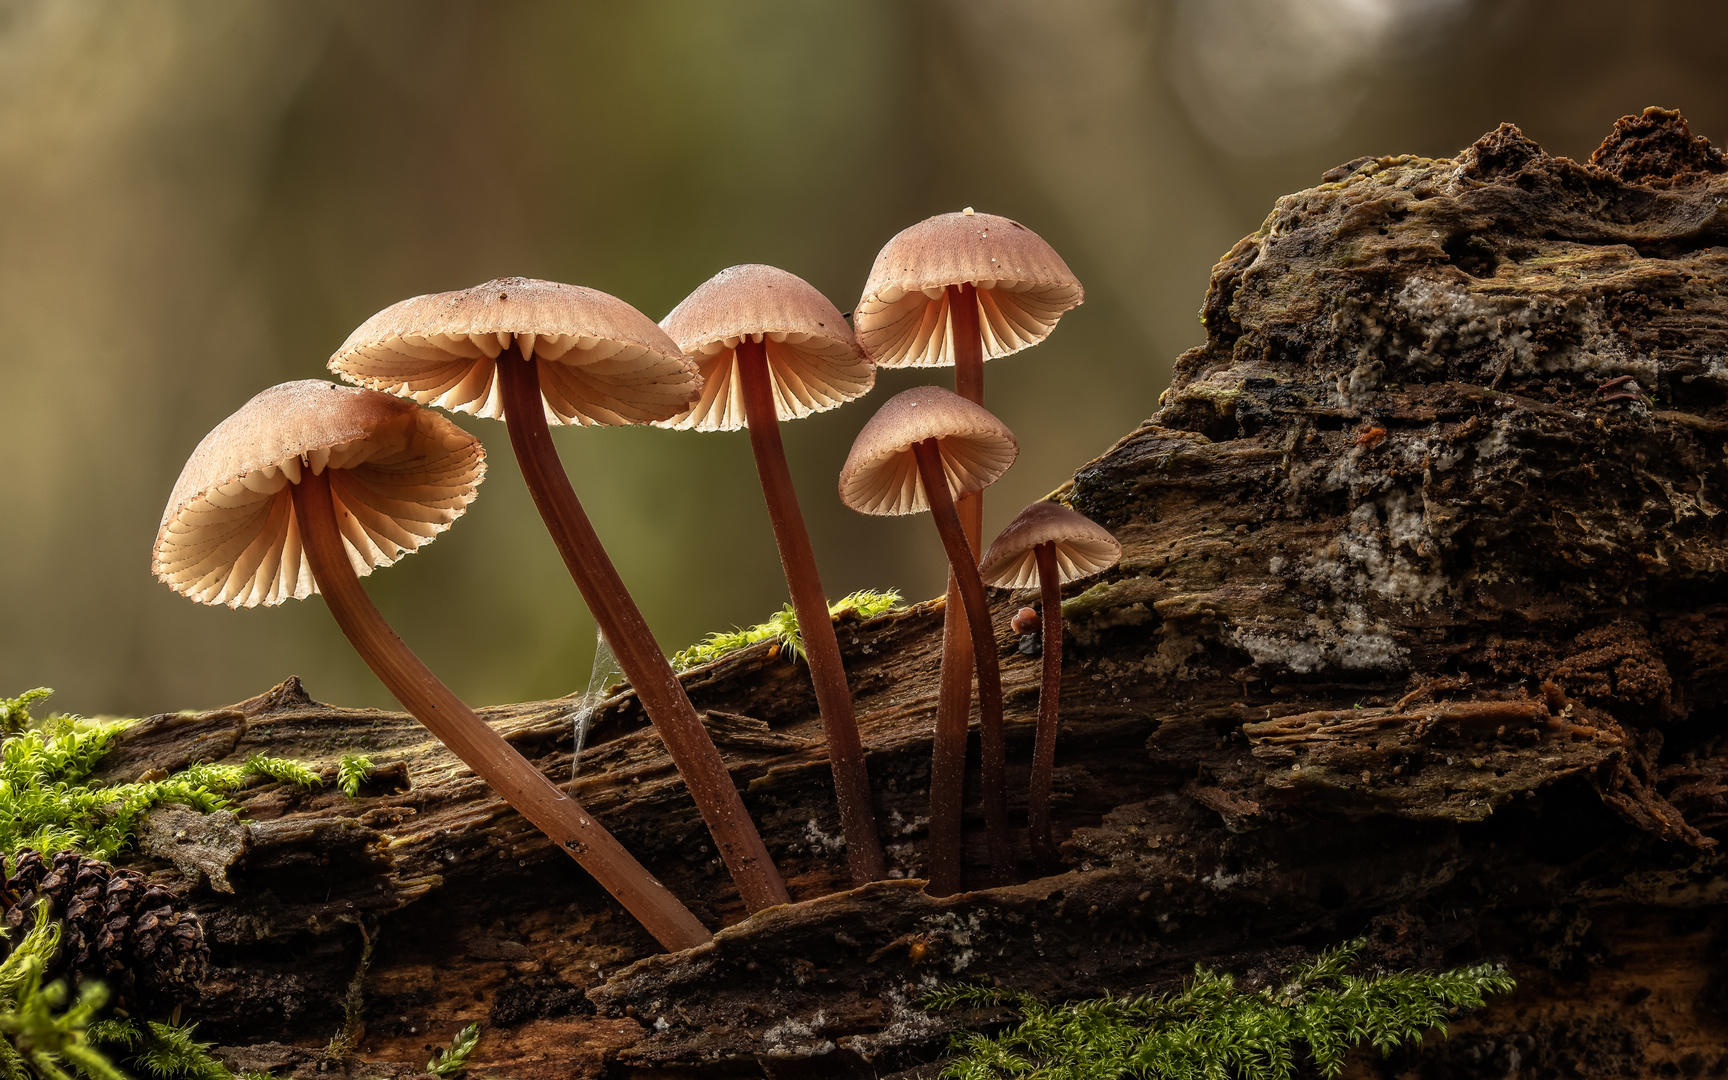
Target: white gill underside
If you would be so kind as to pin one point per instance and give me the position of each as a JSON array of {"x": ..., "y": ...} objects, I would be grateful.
[
  {"x": 915, "y": 329},
  {"x": 239, "y": 544},
  {"x": 896, "y": 487},
  {"x": 583, "y": 380},
  {"x": 809, "y": 375},
  {"x": 1074, "y": 559}
]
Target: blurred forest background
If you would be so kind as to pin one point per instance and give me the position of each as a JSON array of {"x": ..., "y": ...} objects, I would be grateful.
[{"x": 200, "y": 199}]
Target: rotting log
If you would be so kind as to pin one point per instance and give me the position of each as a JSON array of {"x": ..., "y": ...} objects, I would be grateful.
[{"x": 1420, "y": 633}]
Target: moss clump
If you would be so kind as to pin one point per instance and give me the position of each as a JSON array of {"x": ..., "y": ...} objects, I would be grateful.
[
  {"x": 351, "y": 772},
  {"x": 782, "y": 626},
  {"x": 166, "y": 1051},
  {"x": 1212, "y": 1029},
  {"x": 285, "y": 770},
  {"x": 15, "y": 712},
  {"x": 49, "y": 802}
]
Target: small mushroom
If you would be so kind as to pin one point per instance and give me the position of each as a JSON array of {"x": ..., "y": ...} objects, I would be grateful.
[
  {"x": 531, "y": 352},
  {"x": 308, "y": 486},
  {"x": 1047, "y": 546},
  {"x": 957, "y": 289},
  {"x": 1621, "y": 388},
  {"x": 919, "y": 450},
  {"x": 771, "y": 348}
]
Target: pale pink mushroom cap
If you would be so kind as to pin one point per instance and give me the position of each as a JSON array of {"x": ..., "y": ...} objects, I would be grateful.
[
  {"x": 600, "y": 361},
  {"x": 881, "y": 473},
  {"x": 399, "y": 475},
  {"x": 1082, "y": 547},
  {"x": 813, "y": 359},
  {"x": 1023, "y": 288}
]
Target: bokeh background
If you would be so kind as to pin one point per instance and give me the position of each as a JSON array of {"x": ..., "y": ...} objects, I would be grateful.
[{"x": 200, "y": 199}]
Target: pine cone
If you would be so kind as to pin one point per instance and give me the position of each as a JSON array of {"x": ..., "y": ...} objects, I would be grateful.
[{"x": 119, "y": 927}]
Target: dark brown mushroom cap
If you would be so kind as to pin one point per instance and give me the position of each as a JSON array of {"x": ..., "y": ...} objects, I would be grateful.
[
  {"x": 399, "y": 475},
  {"x": 600, "y": 361},
  {"x": 1023, "y": 287},
  {"x": 1082, "y": 547},
  {"x": 881, "y": 474},
  {"x": 813, "y": 359}
]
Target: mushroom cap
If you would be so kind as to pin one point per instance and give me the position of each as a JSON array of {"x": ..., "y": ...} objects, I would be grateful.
[
  {"x": 881, "y": 473},
  {"x": 1083, "y": 547},
  {"x": 813, "y": 359},
  {"x": 600, "y": 361},
  {"x": 1023, "y": 287},
  {"x": 399, "y": 475}
]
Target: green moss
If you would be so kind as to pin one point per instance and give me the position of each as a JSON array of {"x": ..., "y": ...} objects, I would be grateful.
[
  {"x": 1098, "y": 596},
  {"x": 347, "y": 1039},
  {"x": 782, "y": 626},
  {"x": 162, "y": 1050},
  {"x": 1211, "y": 1028},
  {"x": 454, "y": 1058},
  {"x": 41, "y": 1035},
  {"x": 15, "y": 712},
  {"x": 351, "y": 772},
  {"x": 284, "y": 770},
  {"x": 49, "y": 800}
]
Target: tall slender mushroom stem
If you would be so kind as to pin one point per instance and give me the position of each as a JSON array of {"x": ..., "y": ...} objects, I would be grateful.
[
  {"x": 969, "y": 384},
  {"x": 1049, "y": 694},
  {"x": 954, "y": 691},
  {"x": 962, "y": 562},
  {"x": 827, "y": 672},
  {"x": 481, "y": 748},
  {"x": 662, "y": 696}
]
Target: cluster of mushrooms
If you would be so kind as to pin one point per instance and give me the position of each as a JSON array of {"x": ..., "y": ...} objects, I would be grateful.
[{"x": 312, "y": 485}]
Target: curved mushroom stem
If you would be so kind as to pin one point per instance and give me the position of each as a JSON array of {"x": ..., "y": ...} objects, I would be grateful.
[
  {"x": 810, "y": 603},
  {"x": 1049, "y": 694},
  {"x": 954, "y": 693},
  {"x": 992, "y": 749},
  {"x": 662, "y": 696},
  {"x": 495, "y": 761}
]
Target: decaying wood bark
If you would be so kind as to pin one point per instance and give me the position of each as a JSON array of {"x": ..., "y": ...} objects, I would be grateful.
[{"x": 1420, "y": 633}]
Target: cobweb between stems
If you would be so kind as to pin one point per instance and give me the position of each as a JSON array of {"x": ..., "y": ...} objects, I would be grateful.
[{"x": 605, "y": 672}]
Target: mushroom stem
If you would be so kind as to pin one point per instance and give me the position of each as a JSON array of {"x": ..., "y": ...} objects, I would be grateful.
[
  {"x": 495, "y": 761},
  {"x": 948, "y": 746},
  {"x": 954, "y": 691},
  {"x": 1049, "y": 693},
  {"x": 662, "y": 696},
  {"x": 965, "y": 569},
  {"x": 810, "y": 604}
]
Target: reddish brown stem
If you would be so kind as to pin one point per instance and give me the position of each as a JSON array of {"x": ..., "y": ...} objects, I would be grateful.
[
  {"x": 1049, "y": 695},
  {"x": 948, "y": 752},
  {"x": 640, "y": 658},
  {"x": 469, "y": 738},
  {"x": 969, "y": 384},
  {"x": 992, "y": 748},
  {"x": 954, "y": 692},
  {"x": 810, "y": 603}
]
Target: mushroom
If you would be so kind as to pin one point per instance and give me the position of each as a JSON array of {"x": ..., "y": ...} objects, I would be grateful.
[
  {"x": 1047, "y": 546},
  {"x": 771, "y": 348},
  {"x": 920, "y": 449},
  {"x": 532, "y": 351},
  {"x": 956, "y": 289},
  {"x": 308, "y": 486}
]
